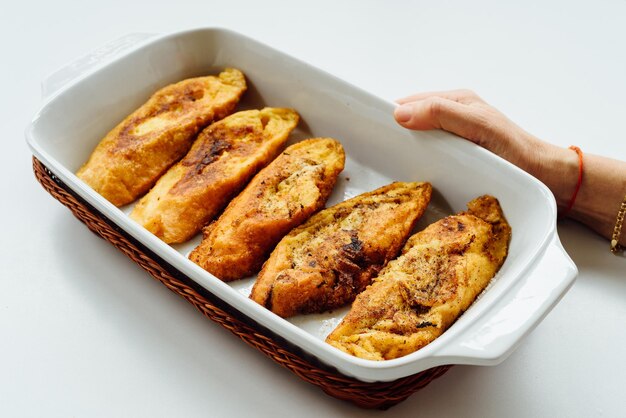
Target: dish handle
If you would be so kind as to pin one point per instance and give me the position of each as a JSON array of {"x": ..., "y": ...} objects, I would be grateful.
[
  {"x": 493, "y": 338},
  {"x": 89, "y": 61}
]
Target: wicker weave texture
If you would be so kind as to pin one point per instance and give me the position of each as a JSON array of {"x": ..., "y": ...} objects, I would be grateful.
[{"x": 381, "y": 395}]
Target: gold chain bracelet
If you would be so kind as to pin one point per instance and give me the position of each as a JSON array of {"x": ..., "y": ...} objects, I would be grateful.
[{"x": 617, "y": 231}]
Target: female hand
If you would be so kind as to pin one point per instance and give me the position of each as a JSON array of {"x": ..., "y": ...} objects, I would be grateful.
[{"x": 465, "y": 114}]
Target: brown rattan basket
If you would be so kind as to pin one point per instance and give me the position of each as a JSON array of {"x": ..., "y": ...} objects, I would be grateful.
[{"x": 380, "y": 395}]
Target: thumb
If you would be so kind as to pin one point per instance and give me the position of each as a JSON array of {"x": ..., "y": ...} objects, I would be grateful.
[
  {"x": 440, "y": 113},
  {"x": 414, "y": 116},
  {"x": 434, "y": 113}
]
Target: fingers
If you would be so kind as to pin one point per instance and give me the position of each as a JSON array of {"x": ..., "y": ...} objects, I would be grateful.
[
  {"x": 462, "y": 96},
  {"x": 465, "y": 114},
  {"x": 435, "y": 112}
]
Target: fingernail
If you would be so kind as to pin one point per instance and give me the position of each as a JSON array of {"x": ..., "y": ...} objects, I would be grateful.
[{"x": 403, "y": 113}]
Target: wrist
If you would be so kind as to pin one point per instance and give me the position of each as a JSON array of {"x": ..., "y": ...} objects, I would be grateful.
[{"x": 557, "y": 168}]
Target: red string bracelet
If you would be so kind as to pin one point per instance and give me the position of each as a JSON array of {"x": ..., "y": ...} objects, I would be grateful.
[{"x": 580, "y": 180}]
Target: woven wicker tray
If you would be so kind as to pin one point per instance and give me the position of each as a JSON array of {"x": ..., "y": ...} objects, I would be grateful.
[{"x": 380, "y": 395}]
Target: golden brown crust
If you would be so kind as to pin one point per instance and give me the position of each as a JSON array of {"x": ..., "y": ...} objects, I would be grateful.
[
  {"x": 420, "y": 294},
  {"x": 221, "y": 161},
  {"x": 282, "y": 196},
  {"x": 328, "y": 260},
  {"x": 130, "y": 158}
]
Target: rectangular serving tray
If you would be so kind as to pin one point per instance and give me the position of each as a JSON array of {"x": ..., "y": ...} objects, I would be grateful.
[{"x": 534, "y": 277}]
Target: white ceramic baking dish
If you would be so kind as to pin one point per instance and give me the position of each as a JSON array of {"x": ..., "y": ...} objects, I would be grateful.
[{"x": 90, "y": 96}]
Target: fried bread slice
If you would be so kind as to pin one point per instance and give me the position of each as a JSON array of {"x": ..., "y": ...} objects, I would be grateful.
[
  {"x": 130, "y": 158},
  {"x": 325, "y": 262},
  {"x": 415, "y": 298},
  {"x": 280, "y": 197},
  {"x": 220, "y": 163}
]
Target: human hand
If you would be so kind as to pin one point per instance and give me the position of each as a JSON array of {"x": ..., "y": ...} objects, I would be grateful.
[{"x": 465, "y": 114}]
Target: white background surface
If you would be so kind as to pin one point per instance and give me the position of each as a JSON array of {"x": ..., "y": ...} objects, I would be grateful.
[{"x": 85, "y": 332}]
